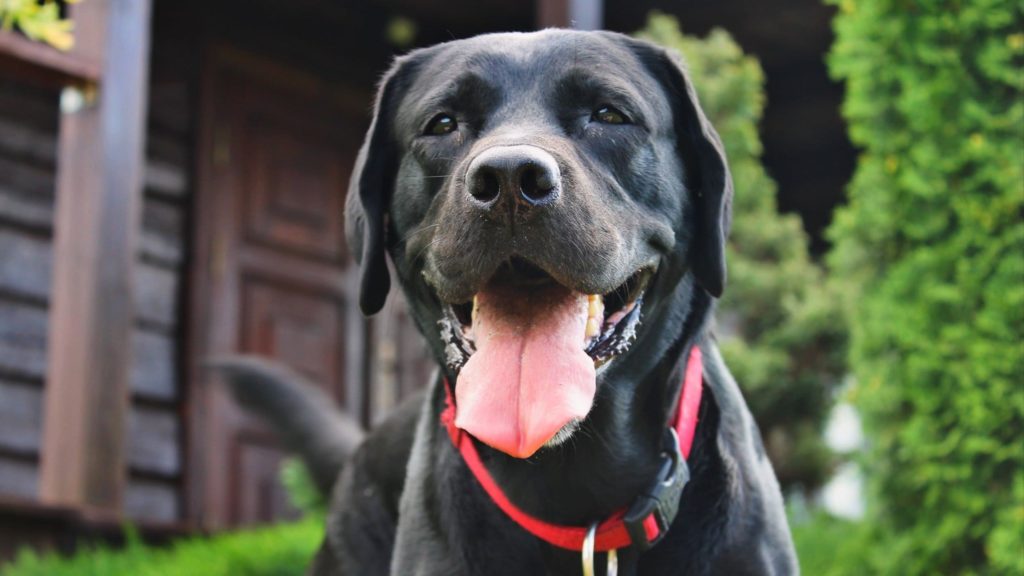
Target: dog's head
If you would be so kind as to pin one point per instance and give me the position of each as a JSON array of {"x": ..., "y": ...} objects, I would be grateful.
[{"x": 538, "y": 194}]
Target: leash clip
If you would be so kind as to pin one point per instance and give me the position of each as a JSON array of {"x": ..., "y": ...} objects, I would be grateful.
[
  {"x": 660, "y": 502},
  {"x": 588, "y": 555}
]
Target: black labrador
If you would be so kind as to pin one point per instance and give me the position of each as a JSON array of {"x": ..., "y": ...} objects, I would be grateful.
[{"x": 556, "y": 206}]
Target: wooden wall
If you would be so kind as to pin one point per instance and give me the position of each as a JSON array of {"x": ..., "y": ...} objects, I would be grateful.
[
  {"x": 29, "y": 118},
  {"x": 28, "y": 146},
  {"x": 155, "y": 423}
]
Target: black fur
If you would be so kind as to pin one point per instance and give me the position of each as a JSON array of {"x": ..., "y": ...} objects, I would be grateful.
[{"x": 652, "y": 193}]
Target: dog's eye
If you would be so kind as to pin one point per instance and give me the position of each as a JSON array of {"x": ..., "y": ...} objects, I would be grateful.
[
  {"x": 440, "y": 125},
  {"x": 609, "y": 115}
]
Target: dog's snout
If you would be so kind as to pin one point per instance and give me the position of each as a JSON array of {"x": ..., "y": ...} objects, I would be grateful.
[{"x": 524, "y": 174}]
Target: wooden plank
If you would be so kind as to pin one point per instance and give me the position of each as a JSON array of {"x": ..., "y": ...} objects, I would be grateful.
[
  {"x": 578, "y": 14},
  {"x": 154, "y": 441},
  {"x": 25, "y": 262},
  {"x": 28, "y": 123},
  {"x": 30, "y": 104},
  {"x": 26, "y": 177},
  {"x": 43, "y": 63},
  {"x": 28, "y": 129},
  {"x": 19, "y": 478},
  {"x": 151, "y": 500},
  {"x": 26, "y": 142},
  {"x": 25, "y": 211},
  {"x": 99, "y": 190},
  {"x": 154, "y": 367},
  {"x": 156, "y": 295},
  {"x": 21, "y": 417},
  {"x": 170, "y": 103},
  {"x": 168, "y": 158},
  {"x": 166, "y": 179},
  {"x": 168, "y": 147},
  {"x": 22, "y": 340},
  {"x": 163, "y": 233}
]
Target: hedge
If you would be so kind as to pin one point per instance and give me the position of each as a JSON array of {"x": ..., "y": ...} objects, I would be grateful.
[{"x": 929, "y": 254}]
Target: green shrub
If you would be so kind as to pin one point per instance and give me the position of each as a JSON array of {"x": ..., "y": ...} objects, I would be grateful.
[
  {"x": 929, "y": 254},
  {"x": 283, "y": 550},
  {"x": 301, "y": 490},
  {"x": 829, "y": 546},
  {"x": 783, "y": 335}
]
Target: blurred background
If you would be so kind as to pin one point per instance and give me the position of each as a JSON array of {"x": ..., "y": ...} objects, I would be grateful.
[{"x": 172, "y": 176}]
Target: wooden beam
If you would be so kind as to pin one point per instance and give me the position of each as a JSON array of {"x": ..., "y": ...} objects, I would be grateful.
[
  {"x": 577, "y": 14},
  {"x": 44, "y": 64},
  {"x": 99, "y": 188}
]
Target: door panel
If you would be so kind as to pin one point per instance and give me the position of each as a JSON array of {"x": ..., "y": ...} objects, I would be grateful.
[
  {"x": 303, "y": 330},
  {"x": 291, "y": 188},
  {"x": 260, "y": 496},
  {"x": 271, "y": 273}
]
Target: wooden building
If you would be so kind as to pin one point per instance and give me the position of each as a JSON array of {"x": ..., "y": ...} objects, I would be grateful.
[{"x": 171, "y": 190}]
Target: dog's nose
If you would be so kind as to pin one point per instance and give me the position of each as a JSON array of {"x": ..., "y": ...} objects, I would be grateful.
[{"x": 523, "y": 173}]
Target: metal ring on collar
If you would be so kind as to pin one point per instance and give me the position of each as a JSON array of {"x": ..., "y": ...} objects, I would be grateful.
[
  {"x": 588, "y": 550},
  {"x": 588, "y": 555}
]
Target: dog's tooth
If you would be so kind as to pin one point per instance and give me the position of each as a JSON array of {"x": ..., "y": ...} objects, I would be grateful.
[
  {"x": 472, "y": 316},
  {"x": 593, "y": 327},
  {"x": 595, "y": 307}
]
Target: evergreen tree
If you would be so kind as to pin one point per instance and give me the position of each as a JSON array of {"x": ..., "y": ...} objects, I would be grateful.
[{"x": 930, "y": 256}]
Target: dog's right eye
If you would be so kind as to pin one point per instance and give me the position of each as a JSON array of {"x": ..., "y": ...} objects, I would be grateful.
[
  {"x": 609, "y": 115},
  {"x": 440, "y": 125}
]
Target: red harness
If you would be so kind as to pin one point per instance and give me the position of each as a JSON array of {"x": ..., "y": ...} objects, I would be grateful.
[{"x": 612, "y": 533}]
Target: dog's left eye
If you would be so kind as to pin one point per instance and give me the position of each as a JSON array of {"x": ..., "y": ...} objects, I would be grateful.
[
  {"x": 609, "y": 115},
  {"x": 440, "y": 125}
]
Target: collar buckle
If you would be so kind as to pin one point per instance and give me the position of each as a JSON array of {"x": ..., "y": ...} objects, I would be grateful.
[{"x": 660, "y": 502}]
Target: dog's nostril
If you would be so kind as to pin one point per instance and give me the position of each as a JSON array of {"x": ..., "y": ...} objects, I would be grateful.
[
  {"x": 485, "y": 185},
  {"x": 537, "y": 184},
  {"x": 512, "y": 175}
]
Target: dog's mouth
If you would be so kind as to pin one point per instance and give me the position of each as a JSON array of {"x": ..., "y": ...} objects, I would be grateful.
[
  {"x": 610, "y": 322},
  {"x": 526, "y": 350}
]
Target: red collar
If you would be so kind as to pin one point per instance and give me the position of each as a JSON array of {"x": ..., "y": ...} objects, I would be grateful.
[{"x": 624, "y": 527}]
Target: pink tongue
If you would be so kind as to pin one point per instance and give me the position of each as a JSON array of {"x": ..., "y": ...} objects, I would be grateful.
[{"x": 529, "y": 376}]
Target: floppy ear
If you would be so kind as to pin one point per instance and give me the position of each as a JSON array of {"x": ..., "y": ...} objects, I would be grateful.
[
  {"x": 369, "y": 193},
  {"x": 708, "y": 170}
]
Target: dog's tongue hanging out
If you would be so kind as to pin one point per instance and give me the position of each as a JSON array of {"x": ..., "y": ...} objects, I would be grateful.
[{"x": 529, "y": 376}]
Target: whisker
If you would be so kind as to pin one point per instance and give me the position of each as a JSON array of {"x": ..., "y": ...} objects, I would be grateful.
[
  {"x": 420, "y": 229},
  {"x": 426, "y": 177},
  {"x": 426, "y": 247}
]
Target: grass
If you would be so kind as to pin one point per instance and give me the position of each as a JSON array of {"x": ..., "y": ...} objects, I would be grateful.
[
  {"x": 826, "y": 546},
  {"x": 282, "y": 550}
]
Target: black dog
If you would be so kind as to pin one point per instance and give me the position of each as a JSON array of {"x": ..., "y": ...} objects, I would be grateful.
[{"x": 555, "y": 205}]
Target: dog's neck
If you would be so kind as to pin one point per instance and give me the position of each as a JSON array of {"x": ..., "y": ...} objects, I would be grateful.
[{"x": 615, "y": 454}]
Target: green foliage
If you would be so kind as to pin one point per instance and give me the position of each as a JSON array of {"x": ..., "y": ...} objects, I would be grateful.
[
  {"x": 283, "y": 550},
  {"x": 38, "y": 20},
  {"x": 301, "y": 490},
  {"x": 929, "y": 255},
  {"x": 781, "y": 329},
  {"x": 830, "y": 546}
]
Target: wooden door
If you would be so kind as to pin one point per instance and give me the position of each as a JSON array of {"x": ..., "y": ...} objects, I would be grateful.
[{"x": 272, "y": 275}]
